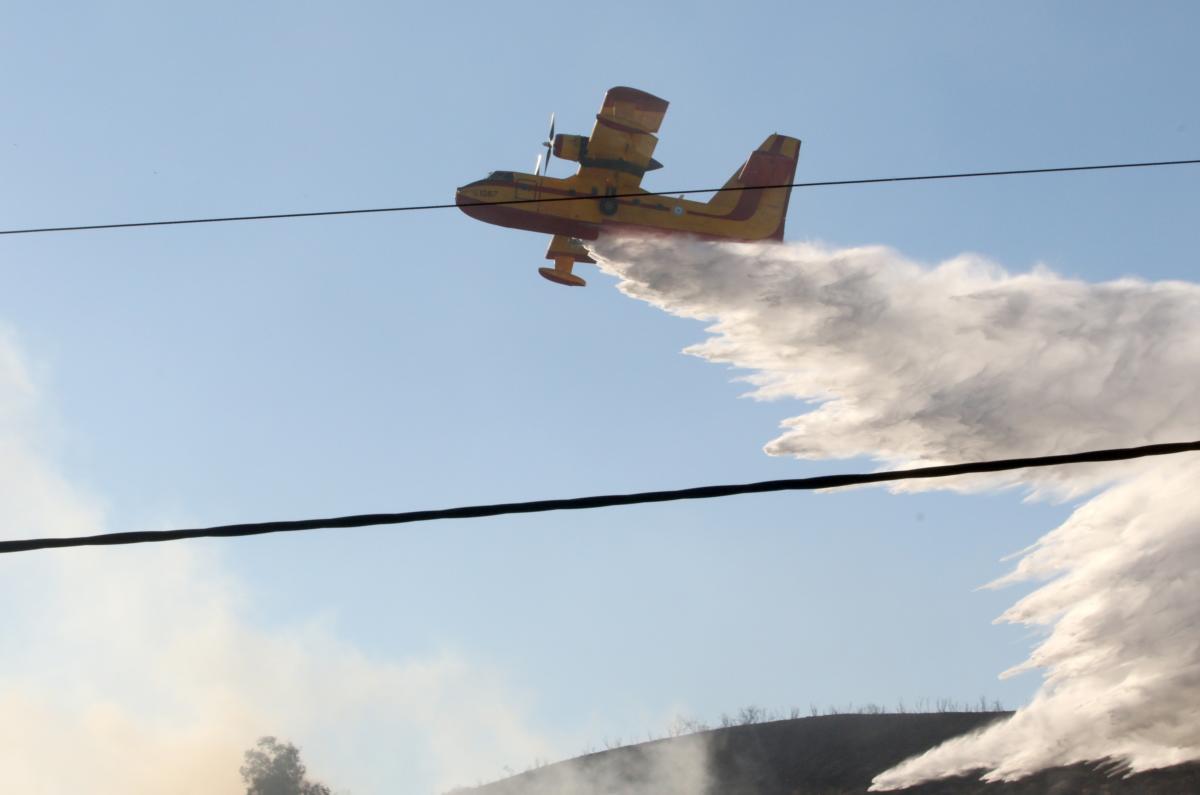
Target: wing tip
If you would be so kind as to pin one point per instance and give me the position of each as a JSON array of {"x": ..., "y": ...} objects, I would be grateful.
[{"x": 641, "y": 100}]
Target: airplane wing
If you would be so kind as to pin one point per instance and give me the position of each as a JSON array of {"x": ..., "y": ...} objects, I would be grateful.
[{"x": 621, "y": 147}]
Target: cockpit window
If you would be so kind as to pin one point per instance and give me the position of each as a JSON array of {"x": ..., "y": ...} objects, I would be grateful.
[{"x": 501, "y": 176}]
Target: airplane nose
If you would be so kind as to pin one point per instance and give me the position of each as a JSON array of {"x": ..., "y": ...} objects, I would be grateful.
[
  {"x": 463, "y": 194},
  {"x": 464, "y": 200},
  {"x": 468, "y": 201}
]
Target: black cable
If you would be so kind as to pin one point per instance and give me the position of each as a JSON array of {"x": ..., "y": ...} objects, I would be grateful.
[
  {"x": 604, "y": 501},
  {"x": 418, "y": 207}
]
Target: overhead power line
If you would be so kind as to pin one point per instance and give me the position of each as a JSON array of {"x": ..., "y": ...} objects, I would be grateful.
[
  {"x": 604, "y": 501},
  {"x": 550, "y": 200}
]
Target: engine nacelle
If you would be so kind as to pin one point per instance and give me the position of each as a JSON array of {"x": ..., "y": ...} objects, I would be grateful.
[{"x": 570, "y": 147}]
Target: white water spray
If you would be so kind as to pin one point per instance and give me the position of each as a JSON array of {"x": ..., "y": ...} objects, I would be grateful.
[{"x": 964, "y": 361}]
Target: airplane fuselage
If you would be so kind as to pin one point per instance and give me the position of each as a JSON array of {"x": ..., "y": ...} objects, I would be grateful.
[{"x": 575, "y": 209}]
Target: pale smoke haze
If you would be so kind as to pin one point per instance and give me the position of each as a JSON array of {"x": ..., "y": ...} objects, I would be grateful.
[
  {"x": 138, "y": 670},
  {"x": 667, "y": 767},
  {"x": 913, "y": 364}
]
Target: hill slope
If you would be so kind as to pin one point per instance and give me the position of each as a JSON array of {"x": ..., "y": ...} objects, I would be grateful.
[{"x": 827, "y": 755}]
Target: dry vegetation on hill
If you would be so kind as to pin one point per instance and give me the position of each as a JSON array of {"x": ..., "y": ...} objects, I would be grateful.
[{"x": 822, "y": 755}]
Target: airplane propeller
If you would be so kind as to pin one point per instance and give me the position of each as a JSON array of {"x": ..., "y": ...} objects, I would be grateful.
[{"x": 549, "y": 144}]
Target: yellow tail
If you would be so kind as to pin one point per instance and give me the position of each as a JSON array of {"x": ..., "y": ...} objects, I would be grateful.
[{"x": 745, "y": 196}]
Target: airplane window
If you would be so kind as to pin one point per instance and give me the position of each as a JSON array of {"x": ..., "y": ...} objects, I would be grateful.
[{"x": 502, "y": 176}]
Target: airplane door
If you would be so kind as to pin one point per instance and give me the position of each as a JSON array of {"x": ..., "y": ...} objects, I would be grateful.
[{"x": 530, "y": 188}]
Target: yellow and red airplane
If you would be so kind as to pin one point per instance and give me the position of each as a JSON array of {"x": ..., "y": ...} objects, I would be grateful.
[{"x": 612, "y": 162}]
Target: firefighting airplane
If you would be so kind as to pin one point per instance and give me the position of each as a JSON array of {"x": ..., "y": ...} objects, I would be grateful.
[{"x": 612, "y": 162}]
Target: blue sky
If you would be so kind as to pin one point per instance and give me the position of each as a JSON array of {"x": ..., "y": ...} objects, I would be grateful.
[{"x": 241, "y": 372}]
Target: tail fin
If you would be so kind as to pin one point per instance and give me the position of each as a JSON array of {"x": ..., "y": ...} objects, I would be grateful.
[{"x": 763, "y": 211}]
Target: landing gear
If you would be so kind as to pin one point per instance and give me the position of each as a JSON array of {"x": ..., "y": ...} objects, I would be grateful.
[
  {"x": 565, "y": 252},
  {"x": 561, "y": 273}
]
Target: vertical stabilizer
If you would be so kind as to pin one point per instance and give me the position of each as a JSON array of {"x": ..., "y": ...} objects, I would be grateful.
[{"x": 763, "y": 211}]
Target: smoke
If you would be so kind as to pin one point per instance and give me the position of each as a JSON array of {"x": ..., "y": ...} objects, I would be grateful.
[
  {"x": 913, "y": 364},
  {"x": 139, "y": 670},
  {"x": 666, "y": 767},
  {"x": 143, "y": 670}
]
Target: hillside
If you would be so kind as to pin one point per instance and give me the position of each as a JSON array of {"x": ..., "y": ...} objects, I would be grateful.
[{"x": 826, "y": 755}]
